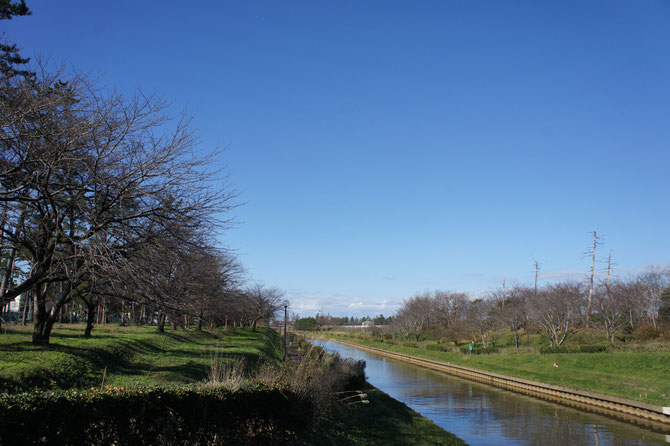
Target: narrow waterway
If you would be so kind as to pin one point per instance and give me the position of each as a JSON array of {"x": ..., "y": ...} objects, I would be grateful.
[{"x": 488, "y": 416}]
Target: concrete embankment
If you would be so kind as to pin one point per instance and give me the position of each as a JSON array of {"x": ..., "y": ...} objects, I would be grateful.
[{"x": 629, "y": 410}]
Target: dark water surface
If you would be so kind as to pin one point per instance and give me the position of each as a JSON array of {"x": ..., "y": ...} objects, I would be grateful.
[{"x": 485, "y": 415}]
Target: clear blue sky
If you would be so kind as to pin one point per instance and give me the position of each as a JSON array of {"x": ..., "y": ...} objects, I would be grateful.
[{"x": 387, "y": 148}]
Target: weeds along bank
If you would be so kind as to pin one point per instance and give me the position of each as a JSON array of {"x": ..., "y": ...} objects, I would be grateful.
[
  {"x": 636, "y": 371},
  {"x": 366, "y": 415}
]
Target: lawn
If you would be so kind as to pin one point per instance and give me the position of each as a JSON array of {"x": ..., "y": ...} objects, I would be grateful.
[{"x": 125, "y": 355}]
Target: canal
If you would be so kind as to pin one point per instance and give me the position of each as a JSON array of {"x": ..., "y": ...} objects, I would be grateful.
[{"x": 486, "y": 415}]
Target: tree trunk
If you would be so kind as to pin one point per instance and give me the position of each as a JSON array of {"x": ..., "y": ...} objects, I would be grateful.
[
  {"x": 200, "y": 321},
  {"x": 45, "y": 320},
  {"x": 9, "y": 267},
  {"x": 161, "y": 322},
  {"x": 516, "y": 340},
  {"x": 90, "y": 318},
  {"x": 143, "y": 315},
  {"x": 104, "y": 311},
  {"x": 26, "y": 303}
]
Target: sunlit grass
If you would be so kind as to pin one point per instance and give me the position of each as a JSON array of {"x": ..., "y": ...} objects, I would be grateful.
[{"x": 125, "y": 355}]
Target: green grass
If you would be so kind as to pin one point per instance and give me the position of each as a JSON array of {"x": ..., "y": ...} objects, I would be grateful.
[
  {"x": 385, "y": 421},
  {"x": 642, "y": 376},
  {"x": 125, "y": 355}
]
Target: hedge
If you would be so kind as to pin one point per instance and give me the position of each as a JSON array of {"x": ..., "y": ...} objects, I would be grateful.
[
  {"x": 479, "y": 350},
  {"x": 573, "y": 349},
  {"x": 193, "y": 415}
]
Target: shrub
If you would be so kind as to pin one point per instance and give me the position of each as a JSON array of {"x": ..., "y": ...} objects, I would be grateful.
[
  {"x": 305, "y": 324},
  {"x": 592, "y": 349},
  {"x": 646, "y": 333},
  {"x": 435, "y": 347},
  {"x": 410, "y": 344}
]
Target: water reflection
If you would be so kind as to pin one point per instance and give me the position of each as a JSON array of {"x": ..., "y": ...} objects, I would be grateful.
[{"x": 485, "y": 415}]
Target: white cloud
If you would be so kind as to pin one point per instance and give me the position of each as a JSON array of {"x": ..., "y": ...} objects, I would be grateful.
[
  {"x": 562, "y": 274},
  {"x": 340, "y": 305}
]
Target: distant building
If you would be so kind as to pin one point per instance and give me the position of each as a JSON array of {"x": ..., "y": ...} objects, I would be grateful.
[{"x": 368, "y": 324}]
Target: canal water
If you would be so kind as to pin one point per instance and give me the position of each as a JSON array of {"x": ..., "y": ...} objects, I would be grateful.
[{"x": 489, "y": 416}]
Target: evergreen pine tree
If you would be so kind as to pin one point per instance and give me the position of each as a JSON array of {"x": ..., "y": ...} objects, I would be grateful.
[
  {"x": 664, "y": 310},
  {"x": 9, "y": 52}
]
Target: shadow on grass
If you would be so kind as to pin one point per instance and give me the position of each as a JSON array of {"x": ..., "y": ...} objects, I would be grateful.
[{"x": 177, "y": 357}]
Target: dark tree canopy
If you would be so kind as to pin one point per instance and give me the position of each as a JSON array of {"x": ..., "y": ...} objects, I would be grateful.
[
  {"x": 9, "y": 9},
  {"x": 9, "y": 52}
]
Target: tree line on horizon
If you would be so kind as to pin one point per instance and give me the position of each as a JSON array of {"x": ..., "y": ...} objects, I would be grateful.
[
  {"x": 108, "y": 207},
  {"x": 321, "y": 321},
  {"x": 612, "y": 305}
]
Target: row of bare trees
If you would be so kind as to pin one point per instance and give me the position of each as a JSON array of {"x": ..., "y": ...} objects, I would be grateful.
[
  {"x": 107, "y": 196},
  {"x": 558, "y": 309}
]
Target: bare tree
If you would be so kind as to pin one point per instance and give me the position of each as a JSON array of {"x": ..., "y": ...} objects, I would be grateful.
[
  {"x": 79, "y": 169},
  {"x": 413, "y": 316},
  {"x": 512, "y": 310},
  {"x": 652, "y": 283},
  {"x": 479, "y": 320},
  {"x": 263, "y": 303},
  {"x": 556, "y": 309},
  {"x": 614, "y": 303}
]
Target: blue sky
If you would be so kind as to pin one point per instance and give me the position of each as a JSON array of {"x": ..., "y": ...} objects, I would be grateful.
[{"x": 387, "y": 148}]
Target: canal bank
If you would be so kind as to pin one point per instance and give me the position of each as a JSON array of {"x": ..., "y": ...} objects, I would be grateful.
[
  {"x": 483, "y": 415},
  {"x": 625, "y": 409}
]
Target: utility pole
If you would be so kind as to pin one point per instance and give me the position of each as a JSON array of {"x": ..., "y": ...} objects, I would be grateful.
[
  {"x": 593, "y": 269},
  {"x": 537, "y": 272},
  {"x": 285, "y": 304},
  {"x": 503, "y": 290}
]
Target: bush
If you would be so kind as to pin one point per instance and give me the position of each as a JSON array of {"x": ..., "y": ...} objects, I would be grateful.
[
  {"x": 435, "y": 347},
  {"x": 410, "y": 344},
  {"x": 305, "y": 324},
  {"x": 161, "y": 415},
  {"x": 646, "y": 333}
]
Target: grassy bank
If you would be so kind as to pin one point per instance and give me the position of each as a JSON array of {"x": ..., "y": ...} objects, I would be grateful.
[
  {"x": 641, "y": 376},
  {"x": 123, "y": 356},
  {"x": 385, "y": 421}
]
